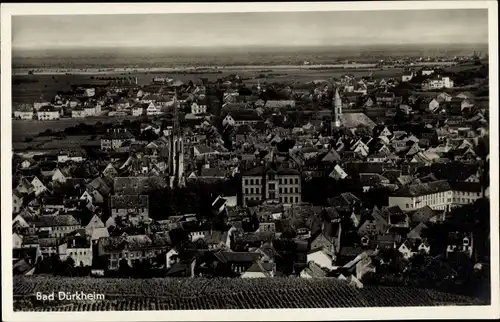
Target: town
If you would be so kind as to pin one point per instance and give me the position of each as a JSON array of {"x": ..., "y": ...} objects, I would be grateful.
[{"x": 370, "y": 180}]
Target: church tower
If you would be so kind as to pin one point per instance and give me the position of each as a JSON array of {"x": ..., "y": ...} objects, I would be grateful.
[
  {"x": 176, "y": 148},
  {"x": 337, "y": 109}
]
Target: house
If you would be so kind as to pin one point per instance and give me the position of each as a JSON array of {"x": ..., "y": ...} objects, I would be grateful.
[
  {"x": 437, "y": 82},
  {"x": 46, "y": 113},
  {"x": 99, "y": 185},
  {"x": 444, "y": 97},
  {"x": 407, "y": 76},
  {"x": 260, "y": 270},
  {"x": 73, "y": 155},
  {"x": 61, "y": 175},
  {"x": 219, "y": 205},
  {"x": 54, "y": 225},
  {"x": 459, "y": 242},
  {"x": 439, "y": 195},
  {"x": 138, "y": 109},
  {"x": 115, "y": 138},
  {"x": 91, "y": 109},
  {"x": 411, "y": 247},
  {"x": 17, "y": 240},
  {"x": 24, "y": 112},
  {"x": 338, "y": 173},
  {"x": 198, "y": 108},
  {"x": 38, "y": 186},
  {"x": 217, "y": 240},
  {"x": 78, "y": 246},
  {"x": 322, "y": 257},
  {"x": 133, "y": 208},
  {"x": 385, "y": 98},
  {"x": 372, "y": 224},
  {"x": 465, "y": 95},
  {"x": 372, "y": 180},
  {"x": 39, "y": 103},
  {"x": 313, "y": 270},
  {"x": 17, "y": 201},
  {"x": 152, "y": 109},
  {"x": 96, "y": 229},
  {"x": 204, "y": 151},
  {"x": 78, "y": 112},
  {"x": 433, "y": 105},
  {"x": 427, "y": 71},
  {"x": 237, "y": 262},
  {"x": 278, "y": 104},
  {"x": 279, "y": 183},
  {"x": 131, "y": 248}
]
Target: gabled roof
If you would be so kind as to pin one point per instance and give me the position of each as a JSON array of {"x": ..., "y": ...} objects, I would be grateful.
[
  {"x": 314, "y": 270},
  {"x": 129, "y": 201},
  {"x": 423, "y": 189},
  {"x": 264, "y": 268},
  {"x": 235, "y": 257},
  {"x": 421, "y": 215},
  {"x": 53, "y": 221}
]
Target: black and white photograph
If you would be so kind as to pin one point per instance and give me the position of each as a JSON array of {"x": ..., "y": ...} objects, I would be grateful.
[{"x": 170, "y": 158}]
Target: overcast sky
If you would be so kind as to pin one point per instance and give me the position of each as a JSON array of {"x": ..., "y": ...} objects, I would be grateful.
[{"x": 252, "y": 29}]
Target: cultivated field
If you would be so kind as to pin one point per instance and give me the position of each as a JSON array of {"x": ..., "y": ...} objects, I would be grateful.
[
  {"x": 27, "y": 128},
  {"x": 200, "y": 293},
  {"x": 28, "y": 88}
]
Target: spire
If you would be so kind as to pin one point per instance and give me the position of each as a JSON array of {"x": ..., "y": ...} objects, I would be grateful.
[
  {"x": 337, "y": 97},
  {"x": 337, "y": 109}
]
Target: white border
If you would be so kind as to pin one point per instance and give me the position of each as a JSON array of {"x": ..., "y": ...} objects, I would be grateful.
[{"x": 7, "y": 10}]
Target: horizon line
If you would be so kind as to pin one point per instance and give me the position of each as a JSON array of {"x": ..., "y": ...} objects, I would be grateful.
[{"x": 33, "y": 48}]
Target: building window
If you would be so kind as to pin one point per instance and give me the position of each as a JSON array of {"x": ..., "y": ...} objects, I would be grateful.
[
  {"x": 251, "y": 190},
  {"x": 257, "y": 190},
  {"x": 407, "y": 206},
  {"x": 296, "y": 199},
  {"x": 246, "y": 181},
  {"x": 285, "y": 181},
  {"x": 286, "y": 189},
  {"x": 280, "y": 190},
  {"x": 296, "y": 189},
  {"x": 296, "y": 180},
  {"x": 246, "y": 190},
  {"x": 251, "y": 181},
  {"x": 272, "y": 186},
  {"x": 286, "y": 199}
]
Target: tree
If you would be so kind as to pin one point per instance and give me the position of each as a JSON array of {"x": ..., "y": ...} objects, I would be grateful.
[
  {"x": 123, "y": 268},
  {"x": 69, "y": 265}
]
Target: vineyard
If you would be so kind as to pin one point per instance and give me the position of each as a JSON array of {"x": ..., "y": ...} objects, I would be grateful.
[{"x": 205, "y": 294}]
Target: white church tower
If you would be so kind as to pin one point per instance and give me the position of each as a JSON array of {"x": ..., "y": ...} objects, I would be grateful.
[{"x": 337, "y": 109}]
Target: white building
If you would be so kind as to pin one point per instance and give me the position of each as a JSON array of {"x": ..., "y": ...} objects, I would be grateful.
[
  {"x": 439, "y": 195},
  {"x": 427, "y": 72},
  {"x": 437, "y": 82},
  {"x": 79, "y": 248},
  {"x": 153, "y": 109},
  {"x": 24, "y": 114},
  {"x": 198, "y": 108},
  {"x": 78, "y": 113},
  {"x": 48, "y": 113}
]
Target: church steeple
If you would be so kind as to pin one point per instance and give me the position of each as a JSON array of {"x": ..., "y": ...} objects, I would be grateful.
[
  {"x": 176, "y": 155},
  {"x": 337, "y": 109}
]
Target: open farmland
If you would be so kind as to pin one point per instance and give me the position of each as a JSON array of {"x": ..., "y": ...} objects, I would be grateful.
[
  {"x": 28, "y": 88},
  {"x": 28, "y": 128},
  {"x": 200, "y": 293}
]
